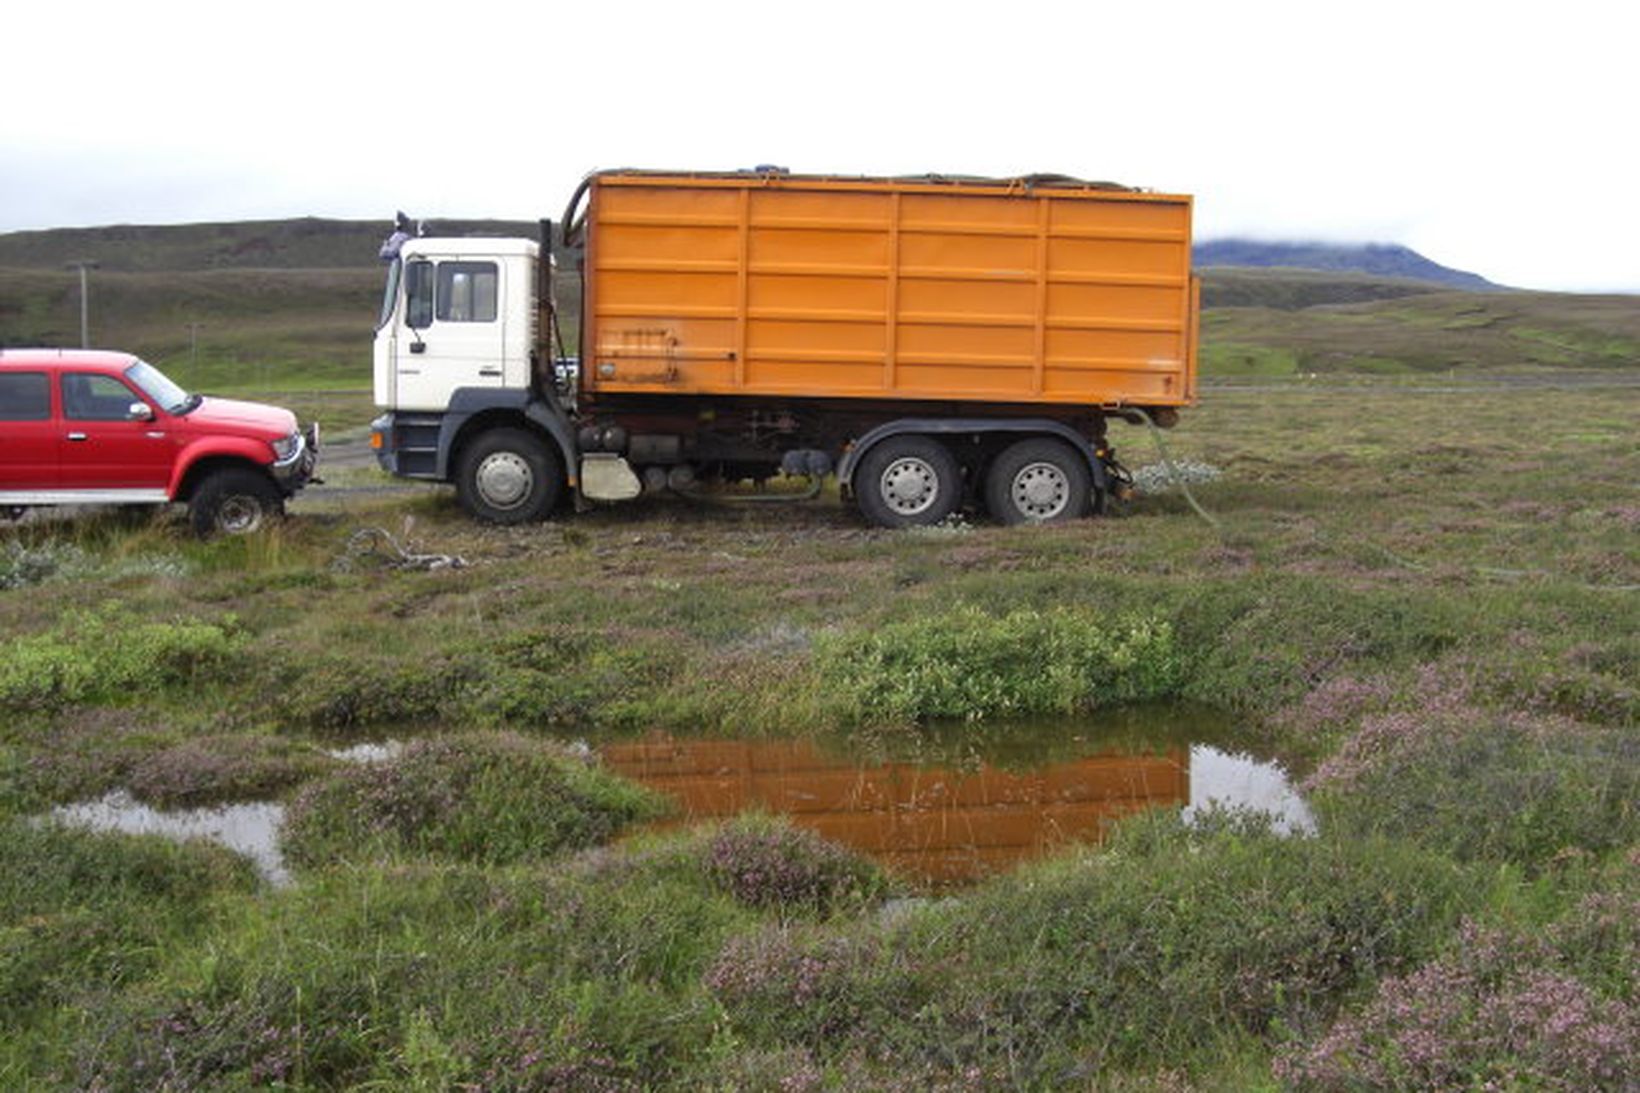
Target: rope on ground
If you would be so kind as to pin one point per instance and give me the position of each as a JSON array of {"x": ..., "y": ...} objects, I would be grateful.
[
  {"x": 1173, "y": 471},
  {"x": 380, "y": 546}
]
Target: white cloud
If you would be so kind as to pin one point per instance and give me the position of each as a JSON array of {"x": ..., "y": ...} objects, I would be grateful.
[{"x": 1494, "y": 135}]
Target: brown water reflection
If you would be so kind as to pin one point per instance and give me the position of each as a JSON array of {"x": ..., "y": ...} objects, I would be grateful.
[{"x": 937, "y": 823}]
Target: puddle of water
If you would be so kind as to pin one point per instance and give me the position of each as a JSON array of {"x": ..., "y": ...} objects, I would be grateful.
[
  {"x": 953, "y": 806},
  {"x": 1239, "y": 781},
  {"x": 943, "y": 806},
  {"x": 373, "y": 751},
  {"x": 250, "y": 829}
]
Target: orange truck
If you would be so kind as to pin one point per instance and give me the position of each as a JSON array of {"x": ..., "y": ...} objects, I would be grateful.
[{"x": 935, "y": 342}]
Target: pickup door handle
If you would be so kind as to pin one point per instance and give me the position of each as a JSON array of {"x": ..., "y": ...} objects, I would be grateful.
[
  {"x": 489, "y": 371},
  {"x": 76, "y": 436}
]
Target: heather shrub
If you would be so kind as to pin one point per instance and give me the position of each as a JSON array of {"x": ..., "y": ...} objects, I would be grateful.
[
  {"x": 83, "y": 910},
  {"x": 222, "y": 768},
  {"x": 1498, "y": 1012},
  {"x": 337, "y": 692},
  {"x": 770, "y": 864},
  {"x": 813, "y": 989},
  {"x": 1156, "y": 950},
  {"x": 1476, "y": 783},
  {"x": 495, "y": 798},
  {"x": 969, "y": 663},
  {"x": 581, "y": 975},
  {"x": 103, "y": 751}
]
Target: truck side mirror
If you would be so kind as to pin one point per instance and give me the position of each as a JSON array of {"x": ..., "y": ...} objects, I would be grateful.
[{"x": 139, "y": 411}]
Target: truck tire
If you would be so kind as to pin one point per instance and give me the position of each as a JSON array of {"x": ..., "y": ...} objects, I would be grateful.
[
  {"x": 234, "y": 501},
  {"x": 908, "y": 481},
  {"x": 508, "y": 476},
  {"x": 1039, "y": 481}
]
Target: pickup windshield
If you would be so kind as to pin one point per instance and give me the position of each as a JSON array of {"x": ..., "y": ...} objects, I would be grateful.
[{"x": 157, "y": 386}]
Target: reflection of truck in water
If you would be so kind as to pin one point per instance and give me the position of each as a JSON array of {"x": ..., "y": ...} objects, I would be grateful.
[
  {"x": 935, "y": 823},
  {"x": 931, "y": 341}
]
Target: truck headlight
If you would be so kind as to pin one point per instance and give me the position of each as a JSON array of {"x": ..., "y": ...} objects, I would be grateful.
[{"x": 286, "y": 446}]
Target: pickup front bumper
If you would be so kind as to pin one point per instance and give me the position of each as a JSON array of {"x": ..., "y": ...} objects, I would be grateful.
[{"x": 296, "y": 469}]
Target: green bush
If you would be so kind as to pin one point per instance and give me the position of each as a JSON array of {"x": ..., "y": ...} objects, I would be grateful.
[
  {"x": 494, "y": 798},
  {"x": 107, "y": 656},
  {"x": 967, "y": 663}
]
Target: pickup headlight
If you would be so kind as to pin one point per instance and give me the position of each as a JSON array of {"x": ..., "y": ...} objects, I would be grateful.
[{"x": 286, "y": 446}]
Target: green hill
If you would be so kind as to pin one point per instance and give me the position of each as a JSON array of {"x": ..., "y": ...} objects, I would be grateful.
[
  {"x": 1404, "y": 332},
  {"x": 308, "y": 243}
]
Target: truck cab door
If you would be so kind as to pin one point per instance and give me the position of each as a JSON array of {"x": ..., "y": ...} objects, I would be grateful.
[
  {"x": 456, "y": 330},
  {"x": 103, "y": 446},
  {"x": 28, "y": 432}
]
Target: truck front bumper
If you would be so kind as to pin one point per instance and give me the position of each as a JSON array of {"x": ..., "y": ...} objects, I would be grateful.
[{"x": 407, "y": 445}]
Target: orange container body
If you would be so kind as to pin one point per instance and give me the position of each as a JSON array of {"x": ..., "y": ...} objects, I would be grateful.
[{"x": 766, "y": 284}]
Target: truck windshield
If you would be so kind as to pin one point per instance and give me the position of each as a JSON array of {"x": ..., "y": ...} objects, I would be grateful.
[
  {"x": 157, "y": 386},
  {"x": 390, "y": 295}
]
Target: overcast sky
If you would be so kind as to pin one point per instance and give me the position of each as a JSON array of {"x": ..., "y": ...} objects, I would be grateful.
[{"x": 1495, "y": 137}]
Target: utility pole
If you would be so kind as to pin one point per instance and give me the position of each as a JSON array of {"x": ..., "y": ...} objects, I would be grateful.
[
  {"x": 193, "y": 345},
  {"x": 85, "y": 306}
]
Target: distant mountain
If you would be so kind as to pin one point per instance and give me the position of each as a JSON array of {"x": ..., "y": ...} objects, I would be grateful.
[{"x": 1377, "y": 259}]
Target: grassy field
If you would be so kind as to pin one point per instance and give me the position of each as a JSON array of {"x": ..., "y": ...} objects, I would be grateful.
[{"x": 1423, "y": 600}]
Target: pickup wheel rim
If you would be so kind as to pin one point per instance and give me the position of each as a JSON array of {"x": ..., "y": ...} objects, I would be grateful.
[
  {"x": 240, "y": 514},
  {"x": 1040, "y": 491},
  {"x": 504, "y": 480},
  {"x": 909, "y": 485}
]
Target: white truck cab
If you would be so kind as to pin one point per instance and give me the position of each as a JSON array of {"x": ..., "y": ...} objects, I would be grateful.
[{"x": 457, "y": 313}]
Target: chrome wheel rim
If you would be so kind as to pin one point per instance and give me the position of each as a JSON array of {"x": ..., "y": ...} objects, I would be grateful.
[
  {"x": 239, "y": 514},
  {"x": 1040, "y": 491},
  {"x": 504, "y": 480},
  {"x": 909, "y": 486}
]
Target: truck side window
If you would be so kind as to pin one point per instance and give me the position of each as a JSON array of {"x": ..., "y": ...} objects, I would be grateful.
[
  {"x": 467, "y": 292},
  {"x": 24, "y": 396},
  {"x": 418, "y": 295}
]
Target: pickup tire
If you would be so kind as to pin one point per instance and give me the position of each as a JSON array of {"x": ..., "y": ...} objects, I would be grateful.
[
  {"x": 1039, "y": 481},
  {"x": 908, "y": 481},
  {"x": 234, "y": 501},
  {"x": 508, "y": 476}
]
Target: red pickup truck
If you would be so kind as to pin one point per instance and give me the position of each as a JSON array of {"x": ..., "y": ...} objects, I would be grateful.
[{"x": 87, "y": 427}]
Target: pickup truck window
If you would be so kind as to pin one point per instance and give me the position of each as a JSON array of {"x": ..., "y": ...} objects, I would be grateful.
[
  {"x": 467, "y": 292},
  {"x": 24, "y": 396},
  {"x": 95, "y": 397}
]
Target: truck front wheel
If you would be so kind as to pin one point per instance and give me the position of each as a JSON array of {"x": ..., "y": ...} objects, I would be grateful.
[
  {"x": 234, "y": 501},
  {"x": 508, "y": 476},
  {"x": 1039, "y": 481},
  {"x": 908, "y": 481}
]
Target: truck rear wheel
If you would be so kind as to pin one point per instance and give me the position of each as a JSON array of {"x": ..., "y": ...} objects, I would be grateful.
[
  {"x": 234, "y": 501},
  {"x": 908, "y": 481},
  {"x": 508, "y": 476},
  {"x": 1039, "y": 481}
]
